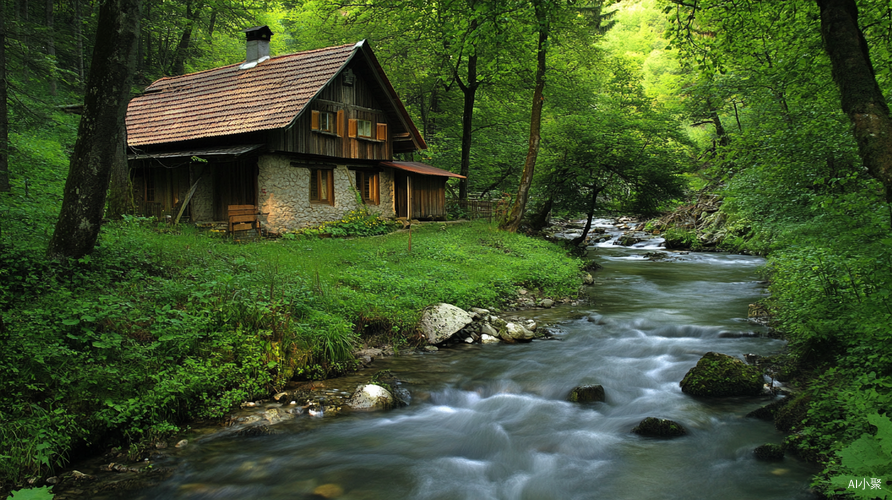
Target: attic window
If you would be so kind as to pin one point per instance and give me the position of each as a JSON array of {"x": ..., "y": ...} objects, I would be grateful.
[
  {"x": 323, "y": 121},
  {"x": 349, "y": 77},
  {"x": 363, "y": 128}
]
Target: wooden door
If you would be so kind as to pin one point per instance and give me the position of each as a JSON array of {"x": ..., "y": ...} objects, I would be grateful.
[{"x": 236, "y": 184}]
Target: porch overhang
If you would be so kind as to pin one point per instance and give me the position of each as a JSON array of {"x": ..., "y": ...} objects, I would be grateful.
[
  {"x": 420, "y": 168},
  {"x": 217, "y": 153}
]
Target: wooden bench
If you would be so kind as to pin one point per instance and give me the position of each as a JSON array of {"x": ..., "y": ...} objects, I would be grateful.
[{"x": 243, "y": 218}]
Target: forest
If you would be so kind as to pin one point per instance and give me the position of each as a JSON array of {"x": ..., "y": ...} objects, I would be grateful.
[{"x": 561, "y": 108}]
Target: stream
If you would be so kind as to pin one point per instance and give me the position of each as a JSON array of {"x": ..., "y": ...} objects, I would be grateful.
[{"x": 491, "y": 421}]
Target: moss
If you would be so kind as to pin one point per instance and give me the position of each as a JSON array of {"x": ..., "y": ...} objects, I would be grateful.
[
  {"x": 659, "y": 427},
  {"x": 587, "y": 394},
  {"x": 769, "y": 411},
  {"x": 769, "y": 452},
  {"x": 720, "y": 375},
  {"x": 788, "y": 418}
]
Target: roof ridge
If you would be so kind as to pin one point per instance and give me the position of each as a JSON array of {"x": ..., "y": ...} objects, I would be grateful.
[{"x": 281, "y": 56}]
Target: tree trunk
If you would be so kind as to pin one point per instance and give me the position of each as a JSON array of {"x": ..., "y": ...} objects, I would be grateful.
[
  {"x": 120, "y": 194},
  {"x": 212, "y": 23},
  {"x": 512, "y": 223},
  {"x": 79, "y": 45},
  {"x": 21, "y": 15},
  {"x": 147, "y": 64},
  {"x": 861, "y": 97},
  {"x": 719, "y": 128},
  {"x": 469, "y": 90},
  {"x": 51, "y": 46},
  {"x": 593, "y": 203},
  {"x": 100, "y": 130},
  {"x": 178, "y": 66},
  {"x": 540, "y": 219},
  {"x": 4, "y": 115},
  {"x": 467, "y": 121}
]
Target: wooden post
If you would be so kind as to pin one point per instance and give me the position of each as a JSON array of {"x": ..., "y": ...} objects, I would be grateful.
[{"x": 188, "y": 198}]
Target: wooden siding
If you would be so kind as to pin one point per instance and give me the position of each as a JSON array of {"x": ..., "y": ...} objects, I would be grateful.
[
  {"x": 364, "y": 100},
  {"x": 426, "y": 194},
  {"x": 159, "y": 191}
]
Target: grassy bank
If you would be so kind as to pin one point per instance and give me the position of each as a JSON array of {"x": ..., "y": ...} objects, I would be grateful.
[{"x": 163, "y": 324}]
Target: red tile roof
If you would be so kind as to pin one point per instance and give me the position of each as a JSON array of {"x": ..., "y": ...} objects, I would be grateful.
[{"x": 226, "y": 100}]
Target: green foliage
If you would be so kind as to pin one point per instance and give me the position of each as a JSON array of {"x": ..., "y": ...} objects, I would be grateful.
[
  {"x": 32, "y": 494},
  {"x": 161, "y": 325},
  {"x": 358, "y": 222},
  {"x": 868, "y": 460}
]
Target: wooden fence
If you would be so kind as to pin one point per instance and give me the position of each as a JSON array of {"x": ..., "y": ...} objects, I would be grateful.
[{"x": 471, "y": 209}]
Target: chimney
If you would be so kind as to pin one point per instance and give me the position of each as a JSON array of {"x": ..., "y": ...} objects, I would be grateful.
[{"x": 257, "y": 39}]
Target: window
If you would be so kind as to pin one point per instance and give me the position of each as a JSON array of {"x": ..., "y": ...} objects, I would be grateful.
[
  {"x": 322, "y": 186},
  {"x": 323, "y": 121},
  {"x": 367, "y": 184},
  {"x": 363, "y": 128},
  {"x": 326, "y": 122}
]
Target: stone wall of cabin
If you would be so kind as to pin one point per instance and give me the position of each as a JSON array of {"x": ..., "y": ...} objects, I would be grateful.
[{"x": 284, "y": 195}]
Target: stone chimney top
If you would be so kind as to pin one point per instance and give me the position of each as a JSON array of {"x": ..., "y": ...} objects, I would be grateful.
[{"x": 257, "y": 46}]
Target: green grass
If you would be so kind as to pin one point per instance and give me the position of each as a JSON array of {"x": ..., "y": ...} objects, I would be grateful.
[{"x": 163, "y": 324}]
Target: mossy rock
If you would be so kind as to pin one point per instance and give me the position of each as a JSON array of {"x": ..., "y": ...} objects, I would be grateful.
[
  {"x": 587, "y": 394},
  {"x": 788, "y": 418},
  {"x": 768, "y": 411},
  {"x": 627, "y": 240},
  {"x": 678, "y": 239},
  {"x": 719, "y": 375},
  {"x": 659, "y": 427},
  {"x": 769, "y": 452}
]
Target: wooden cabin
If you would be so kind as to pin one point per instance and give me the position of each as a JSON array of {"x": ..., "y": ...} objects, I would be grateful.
[{"x": 304, "y": 137}]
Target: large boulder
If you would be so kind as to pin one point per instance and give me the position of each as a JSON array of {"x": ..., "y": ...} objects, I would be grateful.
[
  {"x": 659, "y": 427},
  {"x": 515, "y": 331},
  {"x": 627, "y": 240},
  {"x": 719, "y": 375},
  {"x": 441, "y": 321},
  {"x": 586, "y": 394},
  {"x": 371, "y": 397}
]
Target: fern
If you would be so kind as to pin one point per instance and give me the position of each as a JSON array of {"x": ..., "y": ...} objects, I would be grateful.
[{"x": 867, "y": 463}]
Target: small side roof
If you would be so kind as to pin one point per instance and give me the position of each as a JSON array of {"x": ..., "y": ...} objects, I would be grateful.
[{"x": 420, "y": 168}]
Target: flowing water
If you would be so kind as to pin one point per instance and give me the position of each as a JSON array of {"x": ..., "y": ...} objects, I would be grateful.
[{"x": 491, "y": 421}]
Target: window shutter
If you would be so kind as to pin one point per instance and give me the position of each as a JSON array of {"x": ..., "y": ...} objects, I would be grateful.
[
  {"x": 314, "y": 121},
  {"x": 314, "y": 185},
  {"x": 382, "y": 131},
  {"x": 352, "y": 128},
  {"x": 340, "y": 124}
]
